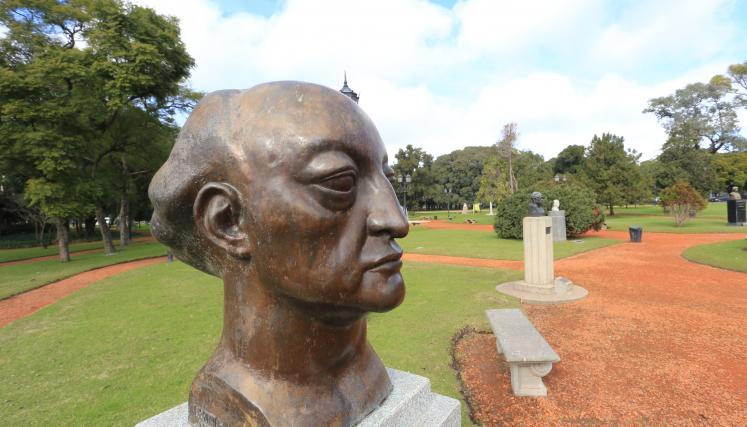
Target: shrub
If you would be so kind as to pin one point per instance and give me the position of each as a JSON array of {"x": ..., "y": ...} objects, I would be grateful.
[
  {"x": 509, "y": 213},
  {"x": 682, "y": 201},
  {"x": 577, "y": 200}
]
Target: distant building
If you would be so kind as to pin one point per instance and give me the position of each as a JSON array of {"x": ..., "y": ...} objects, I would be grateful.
[{"x": 350, "y": 93}]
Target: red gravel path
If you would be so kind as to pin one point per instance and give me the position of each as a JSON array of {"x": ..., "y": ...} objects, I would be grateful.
[
  {"x": 658, "y": 341},
  {"x": 21, "y": 305},
  {"x": 72, "y": 254}
]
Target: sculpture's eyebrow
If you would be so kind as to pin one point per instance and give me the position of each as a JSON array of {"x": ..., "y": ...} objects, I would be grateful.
[{"x": 314, "y": 147}]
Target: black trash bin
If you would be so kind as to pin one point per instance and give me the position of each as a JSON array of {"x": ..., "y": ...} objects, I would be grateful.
[{"x": 636, "y": 234}]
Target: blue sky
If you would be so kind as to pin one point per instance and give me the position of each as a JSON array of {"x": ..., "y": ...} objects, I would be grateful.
[{"x": 447, "y": 74}]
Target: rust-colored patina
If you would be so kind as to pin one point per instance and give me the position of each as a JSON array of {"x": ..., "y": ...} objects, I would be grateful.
[{"x": 283, "y": 191}]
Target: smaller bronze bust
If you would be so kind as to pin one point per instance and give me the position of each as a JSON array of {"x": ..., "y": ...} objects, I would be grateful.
[
  {"x": 734, "y": 195},
  {"x": 535, "y": 205},
  {"x": 283, "y": 191}
]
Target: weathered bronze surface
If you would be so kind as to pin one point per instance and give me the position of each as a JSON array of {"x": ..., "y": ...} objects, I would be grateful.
[
  {"x": 283, "y": 191},
  {"x": 535, "y": 205}
]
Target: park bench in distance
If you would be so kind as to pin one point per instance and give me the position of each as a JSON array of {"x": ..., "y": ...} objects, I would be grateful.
[{"x": 526, "y": 351}]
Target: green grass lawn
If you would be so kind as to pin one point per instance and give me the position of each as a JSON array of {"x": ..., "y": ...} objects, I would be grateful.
[
  {"x": 128, "y": 347},
  {"x": 486, "y": 244},
  {"x": 15, "y": 279},
  {"x": 652, "y": 218},
  {"x": 731, "y": 255}
]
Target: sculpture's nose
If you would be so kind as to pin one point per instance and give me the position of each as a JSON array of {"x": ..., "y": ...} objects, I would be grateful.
[{"x": 385, "y": 215}]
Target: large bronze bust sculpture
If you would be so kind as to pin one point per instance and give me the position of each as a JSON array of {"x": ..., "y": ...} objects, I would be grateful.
[{"x": 283, "y": 191}]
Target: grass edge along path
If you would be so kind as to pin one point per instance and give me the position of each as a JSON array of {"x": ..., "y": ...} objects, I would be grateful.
[
  {"x": 16, "y": 279},
  {"x": 729, "y": 255},
  {"x": 115, "y": 355}
]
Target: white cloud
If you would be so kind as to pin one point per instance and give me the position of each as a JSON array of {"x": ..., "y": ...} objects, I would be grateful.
[
  {"x": 442, "y": 79},
  {"x": 656, "y": 30},
  {"x": 495, "y": 27}
]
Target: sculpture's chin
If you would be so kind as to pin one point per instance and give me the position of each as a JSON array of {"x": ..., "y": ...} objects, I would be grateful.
[{"x": 381, "y": 291}]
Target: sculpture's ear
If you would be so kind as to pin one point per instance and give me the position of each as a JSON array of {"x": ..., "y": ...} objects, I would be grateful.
[{"x": 217, "y": 213}]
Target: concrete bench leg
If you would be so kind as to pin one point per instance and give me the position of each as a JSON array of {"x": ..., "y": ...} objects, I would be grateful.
[{"x": 526, "y": 378}]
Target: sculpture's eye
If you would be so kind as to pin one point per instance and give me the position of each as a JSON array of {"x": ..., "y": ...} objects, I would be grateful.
[{"x": 343, "y": 182}]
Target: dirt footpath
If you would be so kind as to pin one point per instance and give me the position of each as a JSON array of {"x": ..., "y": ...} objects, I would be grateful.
[
  {"x": 22, "y": 305},
  {"x": 658, "y": 341}
]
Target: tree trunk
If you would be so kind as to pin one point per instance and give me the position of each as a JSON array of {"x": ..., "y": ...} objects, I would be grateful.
[
  {"x": 106, "y": 235},
  {"x": 42, "y": 240},
  {"x": 62, "y": 239},
  {"x": 90, "y": 226},
  {"x": 612, "y": 210},
  {"x": 124, "y": 220}
]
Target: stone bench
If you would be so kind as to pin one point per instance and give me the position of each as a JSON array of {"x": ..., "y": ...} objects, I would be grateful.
[{"x": 526, "y": 351}]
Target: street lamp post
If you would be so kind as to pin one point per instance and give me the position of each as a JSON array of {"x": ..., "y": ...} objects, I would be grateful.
[{"x": 404, "y": 180}]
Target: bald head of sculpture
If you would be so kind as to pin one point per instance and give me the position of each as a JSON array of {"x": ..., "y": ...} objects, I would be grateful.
[
  {"x": 290, "y": 180},
  {"x": 283, "y": 191}
]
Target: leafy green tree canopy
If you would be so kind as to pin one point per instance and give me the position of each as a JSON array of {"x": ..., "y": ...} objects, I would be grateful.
[
  {"x": 570, "y": 160},
  {"x": 702, "y": 112},
  {"x": 72, "y": 73},
  {"x": 609, "y": 170}
]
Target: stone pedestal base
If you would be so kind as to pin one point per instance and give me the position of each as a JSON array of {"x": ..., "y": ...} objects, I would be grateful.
[
  {"x": 560, "y": 291},
  {"x": 411, "y": 403},
  {"x": 558, "y": 225},
  {"x": 540, "y": 286}
]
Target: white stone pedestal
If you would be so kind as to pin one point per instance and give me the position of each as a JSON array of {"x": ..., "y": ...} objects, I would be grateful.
[
  {"x": 558, "y": 225},
  {"x": 540, "y": 285},
  {"x": 411, "y": 403}
]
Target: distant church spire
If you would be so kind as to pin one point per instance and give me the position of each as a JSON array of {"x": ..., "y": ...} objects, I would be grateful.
[{"x": 347, "y": 91}]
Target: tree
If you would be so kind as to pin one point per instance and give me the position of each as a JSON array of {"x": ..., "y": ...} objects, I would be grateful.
[
  {"x": 609, "y": 170},
  {"x": 729, "y": 169},
  {"x": 682, "y": 201},
  {"x": 701, "y": 111},
  {"x": 530, "y": 168},
  {"x": 570, "y": 160},
  {"x": 461, "y": 170},
  {"x": 738, "y": 74},
  {"x": 682, "y": 161},
  {"x": 424, "y": 188},
  {"x": 493, "y": 183},
  {"x": 506, "y": 149},
  {"x": 72, "y": 76}
]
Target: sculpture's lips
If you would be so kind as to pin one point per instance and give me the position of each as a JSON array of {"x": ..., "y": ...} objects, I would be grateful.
[{"x": 390, "y": 262}]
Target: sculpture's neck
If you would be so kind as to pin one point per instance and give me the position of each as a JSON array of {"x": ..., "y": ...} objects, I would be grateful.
[{"x": 273, "y": 335}]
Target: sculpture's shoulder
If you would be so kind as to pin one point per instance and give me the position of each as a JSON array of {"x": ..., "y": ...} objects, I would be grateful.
[{"x": 213, "y": 402}]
